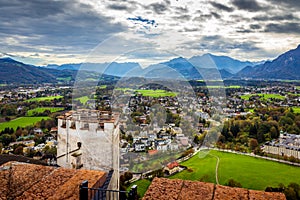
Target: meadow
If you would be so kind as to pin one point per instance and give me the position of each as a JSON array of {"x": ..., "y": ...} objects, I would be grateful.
[
  {"x": 69, "y": 78},
  {"x": 21, "y": 122},
  {"x": 157, "y": 93},
  {"x": 263, "y": 96},
  {"x": 252, "y": 173},
  {"x": 223, "y": 87},
  {"x": 36, "y": 111},
  {"x": 296, "y": 109},
  {"x": 44, "y": 98},
  {"x": 83, "y": 99}
]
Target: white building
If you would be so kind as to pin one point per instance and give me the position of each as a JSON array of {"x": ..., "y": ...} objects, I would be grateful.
[
  {"x": 89, "y": 139},
  {"x": 288, "y": 144}
]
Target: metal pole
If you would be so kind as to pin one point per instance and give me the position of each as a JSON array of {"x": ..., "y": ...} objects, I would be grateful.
[
  {"x": 83, "y": 190},
  {"x": 133, "y": 193}
]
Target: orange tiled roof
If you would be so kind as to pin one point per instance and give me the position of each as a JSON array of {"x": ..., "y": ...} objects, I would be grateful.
[
  {"x": 152, "y": 152},
  {"x": 28, "y": 181},
  {"x": 174, "y": 189},
  {"x": 172, "y": 165}
]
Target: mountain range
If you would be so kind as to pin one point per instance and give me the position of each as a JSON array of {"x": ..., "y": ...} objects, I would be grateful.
[
  {"x": 285, "y": 66},
  {"x": 12, "y": 71},
  {"x": 207, "y": 66}
]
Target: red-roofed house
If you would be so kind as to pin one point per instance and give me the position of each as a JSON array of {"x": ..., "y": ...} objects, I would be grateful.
[
  {"x": 152, "y": 152},
  {"x": 172, "y": 168}
]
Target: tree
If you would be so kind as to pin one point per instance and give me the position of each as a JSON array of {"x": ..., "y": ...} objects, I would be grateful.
[
  {"x": 292, "y": 159},
  {"x": 274, "y": 133},
  {"x": 19, "y": 150},
  {"x": 290, "y": 194},
  {"x": 235, "y": 129},
  {"x": 296, "y": 188},
  {"x": 5, "y": 139},
  {"x": 19, "y": 132},
  {"x": 128, "y": 176},
  {"x": 253, "y": 144},
  {"x": 225, "y": 132}
]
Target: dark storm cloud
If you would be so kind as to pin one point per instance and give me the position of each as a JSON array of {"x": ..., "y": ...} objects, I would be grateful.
[
  {"x": 244, "y": 31},
  {"x": 160, "y": 7},
  {"x": 283, "y": 28},
  {"x": 118, "y": 7},
  {"x": 182, "y": 10},
  {"x": 205, "y": 17},
  {"x": 55, "y": 23},
  {"x": 289, "y": 4},
  {"x": 184, "y": 17},
  {"x": 252, "y": 28},
  {"x": 249, "y": 5},
  {"x": 31, "y": 9},
  {"x": 218, "y": 43},
  {"x": 255, "y": 26},
  {"x": 129, "y": 6},
  {"x": 221, "y": 7},
  {"x": 216, "y": 15},
  {"x": 275, "y": 17}
]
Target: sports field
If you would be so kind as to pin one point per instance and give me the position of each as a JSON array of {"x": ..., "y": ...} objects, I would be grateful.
[
  {"x": 33, "y": 112},
  {"x": 252, "y": 173},
  {"x": 45, "y": 98},
  {"x": 21, "y": 122}
]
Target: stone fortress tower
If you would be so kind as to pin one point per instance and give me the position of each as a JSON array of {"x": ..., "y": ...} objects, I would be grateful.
[{"x": 89, "y": 139}]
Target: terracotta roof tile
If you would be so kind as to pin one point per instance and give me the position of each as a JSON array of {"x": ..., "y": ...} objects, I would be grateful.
[
  {"x": 196, "y": 190},
  {"x": 255, "y": 195},
  {"x": 172, "y": 165},
  {"x": 70, "y": 189},
  {"x": 229, "y": 193},
  {"x": 28, "y": 181},
  {"x": 49, "y": 185},
  {"x": 22, "y": 176},
  {"x": 162, "y": 188}
]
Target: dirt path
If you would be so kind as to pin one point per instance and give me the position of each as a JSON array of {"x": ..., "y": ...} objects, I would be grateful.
[{"x": 217, "y": 166}]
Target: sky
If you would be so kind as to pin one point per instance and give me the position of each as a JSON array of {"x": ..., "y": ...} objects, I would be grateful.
[{"x": 56, "y": 32}]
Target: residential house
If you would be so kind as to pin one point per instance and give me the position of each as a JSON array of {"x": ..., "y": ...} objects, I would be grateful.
[{"x": 172, "y": 168}]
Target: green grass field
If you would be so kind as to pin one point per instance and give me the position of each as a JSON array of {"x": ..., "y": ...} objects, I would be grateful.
[
  {"x": 264, "y": 96},
  {"x": 156, "y": 93},
  {"x": 21, "y": 122},
  {"x": 142, "y": 186},
  {"x": 83, "y": 99},
  {"x": 33, "y": 112},
  {"x": 69, "y": 78},
  {"x": 252, "y": 173},
  {"x": 102, "y": 86},
  {"x": 44, "y": 98},
  {"x": 296, "y": 109},
  {"x": 224, "y": 87}
]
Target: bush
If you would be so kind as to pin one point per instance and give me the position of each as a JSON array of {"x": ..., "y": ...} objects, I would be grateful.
[
  {"x": 233, "y": 183},
  {"x": 292, "y": 159},
  {"x": 190, "y": 170}
]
